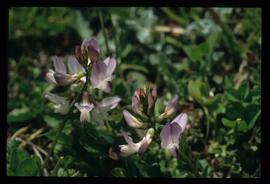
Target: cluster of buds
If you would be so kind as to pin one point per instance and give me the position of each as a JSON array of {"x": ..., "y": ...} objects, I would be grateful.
[
  {"x": 143, "y": 103},
  {"x": 84, "y": 68}
]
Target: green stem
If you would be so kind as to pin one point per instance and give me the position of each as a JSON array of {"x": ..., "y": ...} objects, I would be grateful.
[
  {"x": 100, "y": 15},
  {"x": 207, "y": 123},
  {"x": 191, "y": 165},
  {"x": 53, "y": 145},
  {"x": 64, "y": 122},
  {"x": 173, "y": 15}
]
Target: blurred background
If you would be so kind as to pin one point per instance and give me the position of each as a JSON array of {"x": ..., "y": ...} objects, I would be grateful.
[{"x": 210, "y": 57}]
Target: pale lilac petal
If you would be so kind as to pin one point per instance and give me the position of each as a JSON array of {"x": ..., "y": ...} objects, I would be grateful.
[
  {"x": 110, "y": 102},
  {"x": 98, "y": 73},
  {"x": 144, "y": 145},
  {"x": 85, "y": 116},
  {"x": 58, "y": 64},
  {"x": 181, "y": 120},
  {"x": 90, "y": 47},
  {"x": 127, "y": 138},
  {"x": 126, "y": 150},
  {"x": 49, "y": 77},
  {"x": 154, "y": 92},
  {"x": 63, "y": 79},
  {"x": 55, "y": 98},
  {"x": 173, "y": 103},
  {"x": 150, "y": 101},
  {"x": 111, "y": 64},
  {"x": 74, "y": 66},
  {"x": 135, "y": 104},
  {"x": 165, "y": 136},
  {"x": 131, "y": 120},
  {"x": 175, "y": 133}
]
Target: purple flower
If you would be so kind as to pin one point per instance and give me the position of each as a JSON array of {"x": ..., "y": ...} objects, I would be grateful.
[
  {"x": 171, "y": 132},
  {"x": 100, "y": 111},
  {"x": 60, "y": 75},
  {"x": 61, "y": 106},
  {"x": 101, "y": 75},
  {"x": 131, "y": 120},
  {"x": 151, "y": 97},
  {"x": 90, "y": 49},
  {"x": 84, "y": 107},
  {"x": 170, "y": 108},
  {"x": 131, "y": 147}
]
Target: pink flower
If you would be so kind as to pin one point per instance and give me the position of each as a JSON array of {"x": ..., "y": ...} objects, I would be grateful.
[
  {"x": 131, "y": 147},
  {"x": 101, "y": 75},
  {"x": 171, "y": 132},
  {"x": 60, "y": 75},
  {"x": 84, "y": 107}
]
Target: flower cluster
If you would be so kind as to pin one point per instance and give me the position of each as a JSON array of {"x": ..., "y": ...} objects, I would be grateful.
[
  {"x": 143, "y": 103},
  {"x": 87, "y": 69}
]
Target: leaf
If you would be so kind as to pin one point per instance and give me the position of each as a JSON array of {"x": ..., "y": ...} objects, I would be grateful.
[
  {"x": 194, "y": 53},
  {"x": 17, "y": 156},
  {"x": 29, "y": 167},
  {"x": 198, "y": 91},
  {"x": 228, "y": 123},
  {"x": 51, "y": 121},
  {"x": 254, "y": 119},
  {"x": 118, "y": 172},
  {"x": 19, "y": 115},
  {"x": 159, "y": 107}
]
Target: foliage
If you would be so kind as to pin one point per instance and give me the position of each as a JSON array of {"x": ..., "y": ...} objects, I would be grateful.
[{"x": 209, "y": 57}]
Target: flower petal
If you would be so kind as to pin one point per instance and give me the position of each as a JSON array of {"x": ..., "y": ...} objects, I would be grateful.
[
  {"x": 175, "y": 133},
  {"x": 165, "y": 136},
  {"x": 127, "y": 138},
  {"x": 63, "y": 79},
  {"x": 98, "y": 73},
  {"x": 181, "y": 120},
  {"x": 74, "y": 66},
  {"x": 58, "y": 64},
  {"x": 49, "y": 76},
  {"x": 136, "y": 105},
  {"x": 131, "y": 120},
  {"x": 90, "y": 47},
  {"x": 111, "y": 64},
  {"x": 55, "y": 98},
  {"x": 110, "y": 102}
]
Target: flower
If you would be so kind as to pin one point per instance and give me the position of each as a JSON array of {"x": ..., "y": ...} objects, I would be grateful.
[
  {"x": 131, "y": 147},
  {"x": 131, "y": 120},
  {"x": 100, "y": 111},
  {"x": 170, "y": 108},
  {"x": 151, "y": 97},
  {"x": 60, "y": 75},
  {"x": 62, "y": 105},
  {"x": 136, "y": 101},
  {"x": 171, "y": 132},
  {"x": 101, "y": 75},
  {"x": 84, "y": 107},
  {"x": 90, "y": 49}
]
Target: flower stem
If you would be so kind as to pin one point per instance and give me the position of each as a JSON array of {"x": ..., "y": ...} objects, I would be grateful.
[
  {"x": 53, "y": 145},
  {"x": 100, "y": 15},
  {"x": 191, "y": 165}
]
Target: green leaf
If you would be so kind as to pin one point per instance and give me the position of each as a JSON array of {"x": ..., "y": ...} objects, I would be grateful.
[
  {"x": 253, "y": 121},
  {"x": 17, "y": 156},
  {"x": 241, "y": 125},
  {"x": 29, "y": 167},
  {"x": 51, "y": 121},
  {"x": 198, "y": 91},
  {"x": 118, "y": 172},
  {"x": 159, "y": 107},
  {"x": 228, "y": 123},
  {"x": 19, "y": 115},
  {"x": 194, "y": 53}
]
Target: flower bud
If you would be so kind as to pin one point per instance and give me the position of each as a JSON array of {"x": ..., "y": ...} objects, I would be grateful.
[{"x": 131, "y": 120}]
